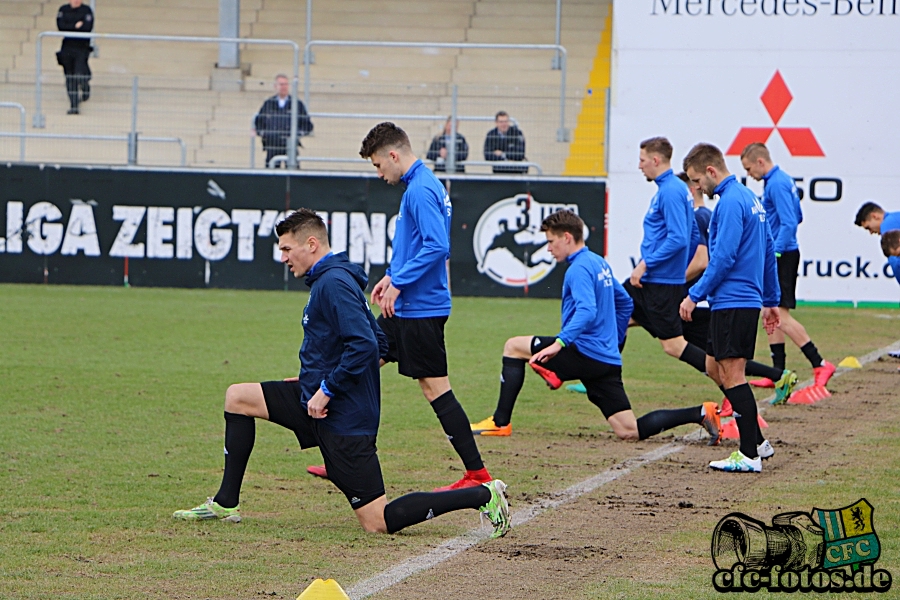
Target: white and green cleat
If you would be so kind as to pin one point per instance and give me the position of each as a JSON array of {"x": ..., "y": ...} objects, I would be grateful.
[
  {"x": 497, "y": 510},
  {"x": 738, "y": 463},
  {"x": 210, "y": 510},
  {"x": 784, "y": 387}
]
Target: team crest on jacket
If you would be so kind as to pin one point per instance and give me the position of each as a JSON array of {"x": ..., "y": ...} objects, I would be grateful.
[{"x": 508, "y": 243}]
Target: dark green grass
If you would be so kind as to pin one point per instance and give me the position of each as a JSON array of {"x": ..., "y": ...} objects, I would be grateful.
[{"x": 111, "y": 404}]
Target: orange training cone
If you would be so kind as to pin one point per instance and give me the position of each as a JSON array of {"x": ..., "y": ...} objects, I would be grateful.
[{"x": 730, "y": 430}]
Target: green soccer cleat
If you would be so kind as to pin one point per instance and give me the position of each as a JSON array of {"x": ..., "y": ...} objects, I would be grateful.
[
  {"x": 497, "y": 510},
  {"x": 738, "y": 463},
  {"x": 784, "y": 387},
  {"x": 578, "y": 388},
  {"x": 210, "y": 510}
]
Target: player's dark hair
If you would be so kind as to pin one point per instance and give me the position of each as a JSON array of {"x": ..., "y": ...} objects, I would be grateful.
[
  {"x": 384, "y": 135},
  {"x": 702, "y": 156},
  {"x": 865, "y": 211},
  {"x": 756, "y": 150},
  {"x": 658, "y": 145},
  {"x": 683, "y": 176},
  {"x": 501, "y": 113},
  {"x": 564, "y": 221},
  {"x": 890, "y": 242},
  {"x": 302, "y": 224}
]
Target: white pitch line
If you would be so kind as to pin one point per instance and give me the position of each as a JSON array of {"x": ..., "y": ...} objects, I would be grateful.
[{"x": 449, "y": 549}]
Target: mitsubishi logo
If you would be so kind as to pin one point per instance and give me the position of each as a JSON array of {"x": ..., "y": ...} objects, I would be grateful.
[{"x": 800, "y": 141}]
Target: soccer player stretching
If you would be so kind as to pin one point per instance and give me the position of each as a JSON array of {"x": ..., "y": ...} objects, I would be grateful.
[{"x": 335, "y": 403}]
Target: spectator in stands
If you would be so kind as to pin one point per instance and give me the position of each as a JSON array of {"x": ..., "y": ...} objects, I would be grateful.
[
  {"x": 505, "y": 143},
  {"x": 438, "y": 150},
  {"x": 73, "y": 55},
  {"x": 273, "y": 121}
]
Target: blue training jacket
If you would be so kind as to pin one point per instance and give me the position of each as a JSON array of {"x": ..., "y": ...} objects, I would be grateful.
[
  {"x": 421, "y": 246},
  {"x": 594, "y": 308},
  {"x": 341, "y": 346},
  {"x": 670, "y": 232},
  {"x": 892, "y": 221},
  {"x": 782, "y": 204},
  {"x": 742, "y": 272}
]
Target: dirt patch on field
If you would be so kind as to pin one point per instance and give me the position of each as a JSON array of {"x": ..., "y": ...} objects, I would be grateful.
[{"x": 621, "y": 529}]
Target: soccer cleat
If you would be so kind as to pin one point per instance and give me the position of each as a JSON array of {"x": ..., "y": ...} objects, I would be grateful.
[
  {"x": 210, "y": 510},
  {"x": 487, "y": 427},
  {"x": 497, "y": 510},
  {"x": 738, "y": 463},
  {"x": 470, "y": 479},
  {"x": 577, "y": 387},
  {"x": 765, "y": 382},
  {"x": 711, "y": 423},
  {"x": 823, "y": 374},
  {"x": 318, "y": 471},
  {"x": 765, "y": 450},
  {"x": 784, "y": 387},
  {"x": 726, "y": 410},
  {"x": 553, "y": 382}
]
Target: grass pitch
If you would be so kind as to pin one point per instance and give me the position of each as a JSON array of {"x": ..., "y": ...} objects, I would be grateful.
[{"x": 112, "y": 419}]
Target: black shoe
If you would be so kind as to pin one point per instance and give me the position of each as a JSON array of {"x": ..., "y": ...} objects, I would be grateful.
[
  {"x": 72, "y": 111},
  {"x": 85, "y": 91},
  {"x": 85, "y": 96}
]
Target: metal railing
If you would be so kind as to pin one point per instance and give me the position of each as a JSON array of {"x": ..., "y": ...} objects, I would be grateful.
[
  {"x": 39, "y": 116},
  {"x": 562, "y": 134},
  {"x": 132, "y": 156},
  {"x": 21, "y": 125},
  {"x": 281, "y": 159}
]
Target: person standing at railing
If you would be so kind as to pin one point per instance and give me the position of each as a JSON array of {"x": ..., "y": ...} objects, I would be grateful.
[
  {"x": 505, "y": 143},
  {"x": 273, "y": 121},
  {"x": 73, "y": 55},
  {"x": 439, "y": 153}
]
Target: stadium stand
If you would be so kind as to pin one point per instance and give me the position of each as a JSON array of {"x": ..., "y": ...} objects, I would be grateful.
[{"x": 176, "y": 98}]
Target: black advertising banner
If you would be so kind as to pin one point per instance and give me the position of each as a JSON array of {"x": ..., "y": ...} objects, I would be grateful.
[{"x": 216, "y": 229}]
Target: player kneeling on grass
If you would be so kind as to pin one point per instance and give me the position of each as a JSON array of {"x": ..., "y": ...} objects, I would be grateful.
[
  {"x": 587, "y": 348},
  {"x": 336, "y": 401}
]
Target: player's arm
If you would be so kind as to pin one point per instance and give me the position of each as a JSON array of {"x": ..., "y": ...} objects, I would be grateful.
[
  {"x": 894, "y": 261},
  {"x": 728, "y": 238},
  {"x": 624, "y": 308},
  {"x": 429, "y": 218},
  {"x": 771, "y": 287},
  {"x": 678, "y": 229},
  {"x": 783, "y": 199},
  {"x": 582, "y": 286},
  {"x": 698, "y": 264},
  {"x": 349, "y": 316}
]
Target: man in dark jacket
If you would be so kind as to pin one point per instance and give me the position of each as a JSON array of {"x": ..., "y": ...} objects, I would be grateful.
[
  {"x": 73, "y": 56},
  {"x": 273, "y": 121},
  {"x": 438, "y": 151},
  {"x": 505, "y": 143},
  {"x": 335, "y": 403}
]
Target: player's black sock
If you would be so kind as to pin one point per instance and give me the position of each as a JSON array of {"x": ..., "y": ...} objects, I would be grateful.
[
  {"x": 755, "y": 369},
  {"x": 661, "y": 420},
  {"x": 812, "y": 354},
  {"x": 744, "y": 404},
  {"x": 778, "y": 358},
  {"x": 240, "y": 433},
  {"x": 760, "y": 438},
  {"x": 695, "y": 357},
  {"x": 511, "y": 378},
  {"x": 420, "y": 506},
  {"x": 456, "y": 425}
]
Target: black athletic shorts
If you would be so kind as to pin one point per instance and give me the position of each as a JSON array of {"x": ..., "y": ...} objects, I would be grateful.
[
  {"x": 656, "y": 307},
  {"x": 788, "y": 265},
  {"x": 732, "y": 333},
  {"x": 602, "y": 381},
  {"x": 696, "y": 331},
  {"x": 416, "y": 345},
  {"x": 351, "y": 460}
]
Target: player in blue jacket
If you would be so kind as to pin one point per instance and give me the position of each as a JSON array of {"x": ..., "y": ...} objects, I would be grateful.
[
  {"x": 873, "y": 219},
  {"x": 783, "y": 213},
  {"x": 414, "y": 295},
  {"x": 670, "y": 237},
  {"x": 740, "y": 279},
  {"x": 594, "y": 311},
  {"x": 335, "y": 403}
]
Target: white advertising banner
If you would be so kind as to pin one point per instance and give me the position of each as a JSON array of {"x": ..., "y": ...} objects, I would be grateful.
[{"x": 817, "y": 80}]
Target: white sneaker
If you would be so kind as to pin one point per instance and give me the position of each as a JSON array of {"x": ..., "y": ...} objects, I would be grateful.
[
  {"x": 738, "y": 463},
  {"x": 765, "y": 450}
]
